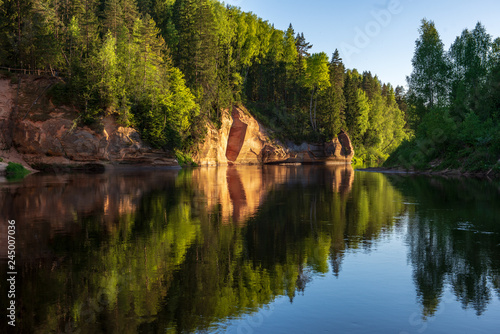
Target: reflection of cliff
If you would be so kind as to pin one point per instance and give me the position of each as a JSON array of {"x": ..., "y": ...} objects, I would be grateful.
[
  {"x": 241, "y": 190},
  {"x": 48, "y": 205},
  {"x": 173, "y": 263},
  {"x": 453, "y": 235}
]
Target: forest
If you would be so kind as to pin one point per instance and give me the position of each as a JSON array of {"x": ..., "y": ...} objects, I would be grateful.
[
  {"x": 453, "y": 103},
  {"x": 168, "y": 67}
]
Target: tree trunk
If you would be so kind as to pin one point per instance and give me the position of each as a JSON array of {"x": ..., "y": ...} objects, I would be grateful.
[
  {"x": 310, "y": 108},
  {"x": 315, "y": 119}
]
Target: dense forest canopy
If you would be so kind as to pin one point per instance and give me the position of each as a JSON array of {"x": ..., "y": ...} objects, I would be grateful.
[
  {"x": 454, "y": 102},
  {"x": 167, "y": 67}
]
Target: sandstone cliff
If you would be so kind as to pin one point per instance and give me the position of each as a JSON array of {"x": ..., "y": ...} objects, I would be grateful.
[
  {"x": 241, "y": 140},
  {"x": 38, "y": 133}
]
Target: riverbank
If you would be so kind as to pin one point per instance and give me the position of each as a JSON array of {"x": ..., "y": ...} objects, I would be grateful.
[
  {"x": 445, "y": 172},
  {"x": 45, "y": 136}
]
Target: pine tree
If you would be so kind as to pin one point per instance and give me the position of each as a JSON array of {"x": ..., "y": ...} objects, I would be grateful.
[
  {"x": 197, "y": 49},
  {"x": 337, "y": 72},
  {"x": 290, "y": 58},
  {"x": 302, "y": 46},
  {"x": 351, "y": 86},
  {"x": 113, "y": 17}
]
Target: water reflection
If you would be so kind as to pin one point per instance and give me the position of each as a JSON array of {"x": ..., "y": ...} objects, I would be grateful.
[
  {"x": 182, "y": 251},
  {"x": 239, "y": 191},
  {"x": 454, "y": 239}
]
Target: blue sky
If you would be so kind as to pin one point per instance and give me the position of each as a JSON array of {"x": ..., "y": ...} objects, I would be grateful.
[{"x": 375, "y": 35}]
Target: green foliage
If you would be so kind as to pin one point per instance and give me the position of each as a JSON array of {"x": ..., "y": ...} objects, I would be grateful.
[
  {"x": 15, "y": 171},
  {"x": 429, "y": 80},
  {"x": 184, "y": 159},
  {"x": 167, "y": 67},
  {"x": 460, "y": 133}
]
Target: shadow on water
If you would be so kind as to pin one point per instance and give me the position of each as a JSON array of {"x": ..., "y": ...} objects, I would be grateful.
[{"x": 182, "y": 251}]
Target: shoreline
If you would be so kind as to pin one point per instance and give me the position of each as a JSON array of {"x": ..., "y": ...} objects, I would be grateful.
[{"x": 445, "y": 172}]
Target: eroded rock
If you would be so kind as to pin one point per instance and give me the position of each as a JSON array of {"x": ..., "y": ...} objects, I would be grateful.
[
  {"x": 242, "y": 140},
  {"x": 58, "y": 141}
]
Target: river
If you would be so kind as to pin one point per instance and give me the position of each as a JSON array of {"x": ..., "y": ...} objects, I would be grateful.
[{"x": 269, "y": 249}]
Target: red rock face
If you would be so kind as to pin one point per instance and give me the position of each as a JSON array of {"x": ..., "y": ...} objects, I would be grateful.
[
  {"x": 241, "y": 140},
  {"x": 347, "y": 151},
  {"x": 55, "y": 141},
  {"x": 340, "y": 148},
  {"x": 236, "y": 136}
]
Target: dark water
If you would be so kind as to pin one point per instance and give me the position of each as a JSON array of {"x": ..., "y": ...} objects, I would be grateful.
[{"x": 296, "y": 249}]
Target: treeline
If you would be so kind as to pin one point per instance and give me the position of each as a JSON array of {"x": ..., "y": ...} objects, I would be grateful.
[
  {"x": 112, "y": 58},
  {"x": 167, "y": 67},
  {"x": 454, "y": 102}
]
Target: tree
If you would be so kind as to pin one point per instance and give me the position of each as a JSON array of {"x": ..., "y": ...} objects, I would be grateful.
[
  {"x": 196, "y": 54},
  {"x": 470, "y": 58},
  {"x": 428, "y": 82},
  {"x": 108, "y": 78},
  {"x": 362, "y": 119},
  {"x": 302, "y": 46},
  {"x": 333, "y": 100},
  {"x": 317, "y": 79},
  {"x": 290, "y": 55},
  {"x": 113, "y": 17},
  {"x": 351, "y": 86}
]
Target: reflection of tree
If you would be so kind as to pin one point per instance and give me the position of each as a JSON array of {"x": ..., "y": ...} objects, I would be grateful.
[
  {"x": 453, "y": 236},
  {"x": 170, "y": 262},
  {"x": 429, "y": 253},
  {"x": 311, "y": 223}
]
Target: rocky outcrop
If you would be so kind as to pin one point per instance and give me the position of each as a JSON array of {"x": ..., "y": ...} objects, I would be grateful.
[
  {"x": 339, "y": 149},
  {"x": 241, "y": 140},
  {"x": 6, "y": 98},
  {"x": 46, "y": 135},
  {"x": 236, "y": 138},
  {"x": 59, "y": 141}
]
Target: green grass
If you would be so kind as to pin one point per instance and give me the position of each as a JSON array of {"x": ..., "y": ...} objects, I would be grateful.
[{"x": 15, "y": 171}]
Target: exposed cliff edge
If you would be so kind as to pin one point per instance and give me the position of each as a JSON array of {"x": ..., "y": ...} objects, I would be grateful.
[
  {"x": 39, "y": 134},
  {"x": 242, "y": 140}
]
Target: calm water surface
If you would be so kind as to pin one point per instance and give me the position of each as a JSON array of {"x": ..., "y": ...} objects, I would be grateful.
[{"x": 274, "y": 249}]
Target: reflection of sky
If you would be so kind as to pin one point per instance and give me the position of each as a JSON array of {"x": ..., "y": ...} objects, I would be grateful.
[
  {"x": 374, "y": 293},
  {"x": 328, "y": 24}
]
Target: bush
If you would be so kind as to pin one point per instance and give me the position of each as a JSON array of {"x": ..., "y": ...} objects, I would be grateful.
[
  {"x": 16, "y": 170},
  {"x": 184, "y": 159}
]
